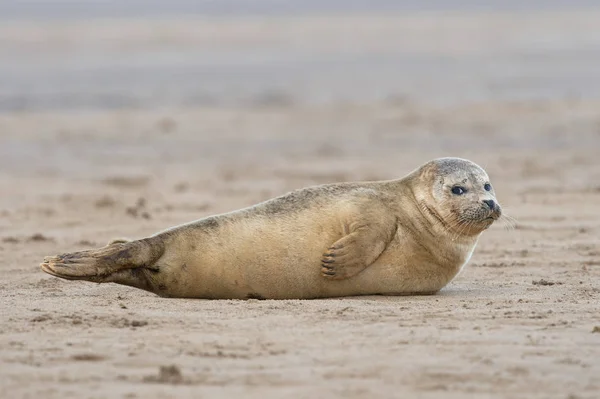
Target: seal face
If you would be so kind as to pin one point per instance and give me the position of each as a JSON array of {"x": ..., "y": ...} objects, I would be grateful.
[
  {"x": 462, "y": 197},
  {"x": 406, "y": 236}
]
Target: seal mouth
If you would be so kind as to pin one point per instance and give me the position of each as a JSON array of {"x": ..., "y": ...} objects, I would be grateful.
[{"x": 496, "y": 214}]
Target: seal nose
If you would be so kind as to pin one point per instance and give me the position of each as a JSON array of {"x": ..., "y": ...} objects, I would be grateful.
[{"x": 490, "y": 203}]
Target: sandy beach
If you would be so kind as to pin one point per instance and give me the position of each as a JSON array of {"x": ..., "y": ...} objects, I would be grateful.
[{"x": 124, "y": 127}]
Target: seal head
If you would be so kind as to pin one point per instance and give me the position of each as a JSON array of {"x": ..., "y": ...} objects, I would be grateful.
[{"x": 459, "y": 196}]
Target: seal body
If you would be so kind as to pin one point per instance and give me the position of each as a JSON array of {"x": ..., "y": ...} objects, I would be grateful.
[{"x": 397, "y": 237}]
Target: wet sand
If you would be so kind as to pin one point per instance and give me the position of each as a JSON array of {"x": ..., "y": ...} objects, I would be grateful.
[{"x": 521, "y": 321}]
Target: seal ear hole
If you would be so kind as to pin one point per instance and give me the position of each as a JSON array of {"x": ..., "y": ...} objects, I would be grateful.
[
  {"x": 487, "y": 187},
  {"x": 458, "y": 190}
]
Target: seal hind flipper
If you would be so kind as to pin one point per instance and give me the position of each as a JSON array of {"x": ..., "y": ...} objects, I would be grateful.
[
  {"x": 354, "y": 252},
  {"x": 98, "y": 264}
]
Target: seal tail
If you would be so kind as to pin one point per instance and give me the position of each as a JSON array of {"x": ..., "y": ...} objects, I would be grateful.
[{"x": 98, "y": 264}]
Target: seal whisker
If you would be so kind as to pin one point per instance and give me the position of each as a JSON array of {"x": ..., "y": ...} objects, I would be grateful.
[
  {"x": 452, "y": 224},
  {"x": 464, "y": 224},
  {"x": 509, "y": 222}
]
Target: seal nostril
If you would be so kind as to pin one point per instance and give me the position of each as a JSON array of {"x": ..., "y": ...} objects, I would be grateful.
[{"x": 490, "y": 203}]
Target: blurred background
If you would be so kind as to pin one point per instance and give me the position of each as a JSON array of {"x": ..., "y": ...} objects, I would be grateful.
[
  {"x": 116, "y": 54},
  {"x": 209, "y": 105}
]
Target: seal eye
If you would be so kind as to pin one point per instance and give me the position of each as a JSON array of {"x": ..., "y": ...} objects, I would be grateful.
[
  {"x": 458, "y": 190},
  {"x": 487, "y": 187}
]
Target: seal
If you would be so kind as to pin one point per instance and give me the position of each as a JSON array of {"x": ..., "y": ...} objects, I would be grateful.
[{"x": 395, "y": 237}]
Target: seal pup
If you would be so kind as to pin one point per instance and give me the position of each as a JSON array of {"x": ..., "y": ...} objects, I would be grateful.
[{"x": 396, "y": 237}]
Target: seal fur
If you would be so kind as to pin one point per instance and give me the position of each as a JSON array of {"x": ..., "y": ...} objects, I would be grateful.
[{"x": 396, "y": 237}]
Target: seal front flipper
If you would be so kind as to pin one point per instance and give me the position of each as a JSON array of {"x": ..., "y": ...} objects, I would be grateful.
[
  {"x": 354, "y": 252},
  {"x": 98, "y": 264}
]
